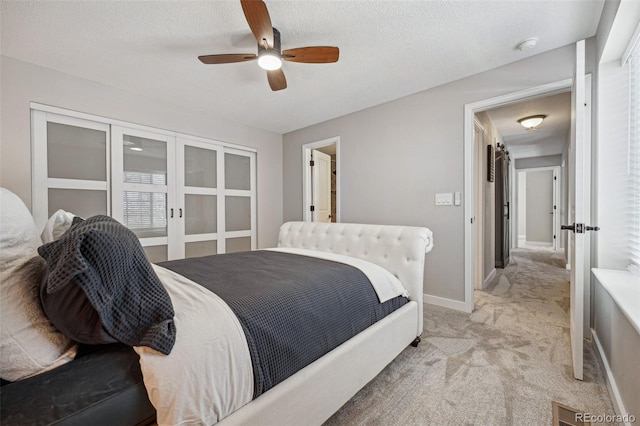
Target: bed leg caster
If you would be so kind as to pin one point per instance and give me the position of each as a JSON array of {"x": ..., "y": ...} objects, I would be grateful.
[{"x": 416, "y": 341}]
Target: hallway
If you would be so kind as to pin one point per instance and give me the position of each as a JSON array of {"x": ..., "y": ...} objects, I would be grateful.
[
  {"x": 501, "y": 365},
  {"x": 529, "y": 300}
]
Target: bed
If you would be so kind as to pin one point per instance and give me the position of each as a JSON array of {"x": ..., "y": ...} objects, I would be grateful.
[{"x": 308, "y": 396}]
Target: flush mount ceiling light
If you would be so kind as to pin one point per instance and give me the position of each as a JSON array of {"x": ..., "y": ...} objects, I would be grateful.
[{"x": 532, "y": 122}]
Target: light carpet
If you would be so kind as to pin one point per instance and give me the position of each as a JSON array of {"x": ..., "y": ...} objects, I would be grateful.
[{"x": 501, "y": 365}]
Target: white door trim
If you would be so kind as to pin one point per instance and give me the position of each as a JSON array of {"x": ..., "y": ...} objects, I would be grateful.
[
  {"x": 479, "y": 207},
  {"x": 513, "y": 213},
  {"x": 306, "y": 173},
  {"x": 469, "y": 111}
]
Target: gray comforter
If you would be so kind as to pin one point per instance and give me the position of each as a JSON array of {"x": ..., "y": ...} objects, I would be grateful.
[{"x": 293, "y": 309}]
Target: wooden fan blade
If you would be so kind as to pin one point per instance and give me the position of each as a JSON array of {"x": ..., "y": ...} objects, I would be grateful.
[
  {"x": 277, "y": 80},
  {"x": 312, "y": 55},
  {"x": 227, "y": 59},
  {"x": 259, "y": 21}
]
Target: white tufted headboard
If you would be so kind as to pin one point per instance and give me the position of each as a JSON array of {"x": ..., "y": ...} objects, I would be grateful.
[{"x": 399, "y": 249}]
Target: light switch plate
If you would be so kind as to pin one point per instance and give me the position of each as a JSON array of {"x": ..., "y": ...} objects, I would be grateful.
[
  {"x": 457, "y": 198},
  {"x": 445, "y": 199}
]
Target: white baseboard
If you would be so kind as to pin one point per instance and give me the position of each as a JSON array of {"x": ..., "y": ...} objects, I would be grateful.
[
  {"x": 445, "y": 303},
  {"x": 618, "y": 405},
  {"x": 487, "y": 280},
  {"x": 567, "y": 267}
]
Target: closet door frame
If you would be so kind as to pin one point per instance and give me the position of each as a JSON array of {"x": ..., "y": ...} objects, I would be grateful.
[{"x": 41, "y": 182}]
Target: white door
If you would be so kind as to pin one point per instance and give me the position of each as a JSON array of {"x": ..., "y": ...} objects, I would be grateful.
[
  {"x": 321, "y": 171},
  {"x": 579, "y": 210},
  {"x": 69, "y": 165},
  {"x": 198, "y": 177},
  {"x": 237, "y": 213},
  {"x": 143, "y": 179}
]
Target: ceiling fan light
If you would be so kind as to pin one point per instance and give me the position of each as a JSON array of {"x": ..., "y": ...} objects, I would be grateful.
[
  {"x": 269, "y": 61},
  {"x": 532, "y": 121}
]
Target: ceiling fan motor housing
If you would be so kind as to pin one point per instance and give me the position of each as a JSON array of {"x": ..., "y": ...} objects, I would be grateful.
[{"x": 276, "y": 44}]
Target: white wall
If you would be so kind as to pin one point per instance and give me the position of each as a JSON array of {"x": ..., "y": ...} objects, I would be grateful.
[
  {"x": 22, "y": 83},
  {"x": 396, "y": 156}
]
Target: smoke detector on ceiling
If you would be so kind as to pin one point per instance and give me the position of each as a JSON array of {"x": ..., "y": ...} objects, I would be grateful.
[{"x": 527, "y": 44}]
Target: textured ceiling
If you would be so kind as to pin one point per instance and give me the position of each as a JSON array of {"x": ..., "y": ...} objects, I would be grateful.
[
  {"x": 388, "y": 49},
  {"x": 550, "y": 137}
]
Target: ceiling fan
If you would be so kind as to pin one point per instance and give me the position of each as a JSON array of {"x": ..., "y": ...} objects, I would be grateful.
[{"x": 269, "y": 55}]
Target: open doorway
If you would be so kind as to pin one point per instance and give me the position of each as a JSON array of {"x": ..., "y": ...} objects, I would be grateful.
[
  {"x": 538, "y": 208},
  {"x": 565, "y": 193},
  {"x": 513, "y": 100},
  {"x": 321, "y": 180}
]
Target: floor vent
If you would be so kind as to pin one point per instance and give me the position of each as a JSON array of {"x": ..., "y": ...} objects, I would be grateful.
[{"x": 566, "y": 416}]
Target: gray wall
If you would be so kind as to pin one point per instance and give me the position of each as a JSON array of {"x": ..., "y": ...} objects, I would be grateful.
[
  {"x": 539, "y": 225},
  {"x": 23, "y": 83},
  {"x": 396, "y": 156},
  {"x": 621, "y": 344},
  {"x": 532, "y": 162}
]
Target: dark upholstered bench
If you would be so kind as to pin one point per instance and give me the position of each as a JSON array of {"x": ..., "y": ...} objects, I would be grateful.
[{"x": 102, "y": 386}]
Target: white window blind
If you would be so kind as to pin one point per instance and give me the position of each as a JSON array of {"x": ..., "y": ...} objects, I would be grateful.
[
  {"x": 145, "y": 212},
  {"x": 634, "y": 161}
]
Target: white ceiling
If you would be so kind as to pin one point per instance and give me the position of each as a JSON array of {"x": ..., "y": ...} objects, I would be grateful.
[
  {"x": 550, "y": 137},
  {"x": 388, "y": 49}
]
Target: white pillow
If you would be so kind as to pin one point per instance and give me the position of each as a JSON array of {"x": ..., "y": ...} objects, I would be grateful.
[
  {"x": 29, "y": 343},
  {"x": 57, "y": 225}
]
